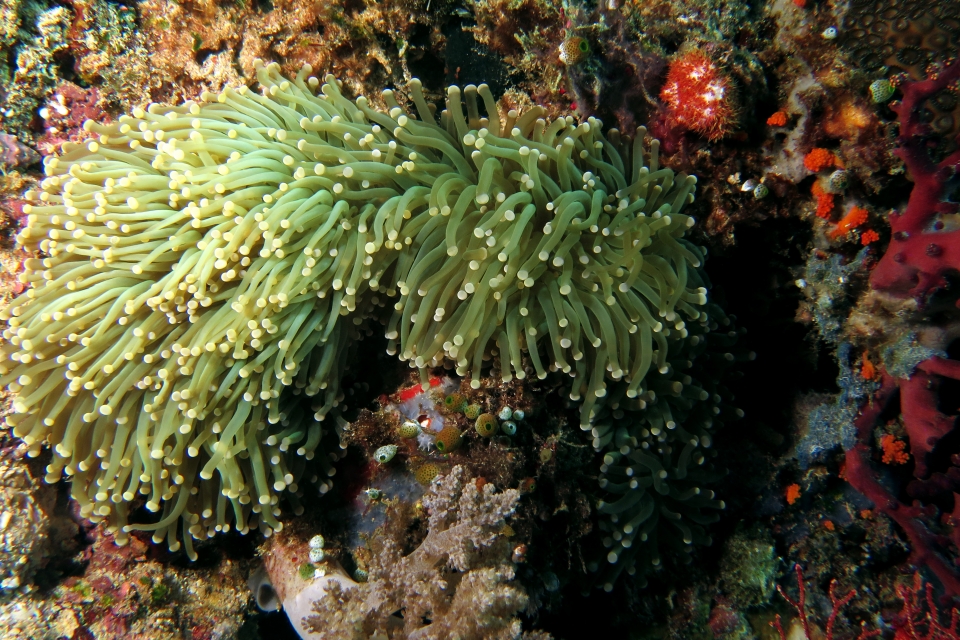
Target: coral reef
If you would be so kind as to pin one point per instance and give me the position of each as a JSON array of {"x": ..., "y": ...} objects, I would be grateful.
[
  {"x": 36, "y": 73},
  {"x": 900, "y": 36},
  {"x": 826, "y": 196},
  {"x": 64, "y": 113},
  {"x": 24, "y": 527},
  {"x": 836, "y": 604},
  {"x": 62, "y": 577},
  {"x": 124, "y": 593},
  {"x": 109, "y": 50},
  {"x": 750, "y": 566},
  {"x": 921, "y": 617},
  {"x": 914, "y": 264},
  {"x": 458, "y": 581},
  {"x": 369, "y": 45},
  {"x": 191, "y": 407},
  {"x": 14, "y": 153},
  {"x": 918, "y": 405}
]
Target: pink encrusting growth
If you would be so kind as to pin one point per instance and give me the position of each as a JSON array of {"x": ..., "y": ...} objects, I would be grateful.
[{"x": 700, "y": 95}]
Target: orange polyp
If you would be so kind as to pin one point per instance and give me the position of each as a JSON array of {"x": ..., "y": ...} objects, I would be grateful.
[
  {"x": 867, "y": 370},
  {"x": 779, "y": 119},
  {"x": 820, "y": 158},
  {"x": 894, "y": 450},
  {"x": 824, "y": 201},
  {"x": 854, "y": 218},
  {"x": 793, "y": 493}
]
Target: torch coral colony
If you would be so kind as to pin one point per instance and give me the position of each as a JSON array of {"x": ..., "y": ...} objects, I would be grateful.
[{"x": 208, "y": 261}]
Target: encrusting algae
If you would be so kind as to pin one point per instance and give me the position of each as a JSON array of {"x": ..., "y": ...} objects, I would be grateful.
[{"x": 209, "y": 261}]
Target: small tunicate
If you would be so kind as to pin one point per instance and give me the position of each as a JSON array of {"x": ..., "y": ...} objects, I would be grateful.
[
  {"x": 839, "y": 181},
  {"x": 317, "y": 555},
  {"x": 518, "y": 414},
  {"x": 509, "y": 427},
  {"x": 409, "y": 429},
  {"x": 448, "y": 439},
  {"x": 748, "y": 185},
  {"x": 385, "y": 453},
  {"x": 317, "y": 542},
  {"x": 761, "y": 191},
  {"x": 830, "y": 33},
  {"x": 574, "y": 50},
  {"x": 361, "y": 575},
  {"x": 486, "y": 425},
  {"x": 505, "y": 414},
  {"x": 881, "y": 91},
  {"x": 425, "y": 473},
  {"x": 455, "y": 402}
]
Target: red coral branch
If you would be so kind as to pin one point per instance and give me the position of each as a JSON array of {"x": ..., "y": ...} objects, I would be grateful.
[
  {"x": 920, "y": 617},
  {"x": 799, "y": 604}
]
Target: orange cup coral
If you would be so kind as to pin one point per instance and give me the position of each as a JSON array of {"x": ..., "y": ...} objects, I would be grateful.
[
  {"x": 779, "y": 119},
  {"x": 854, "y": 218},
  {"x": 820, "y": 158}
]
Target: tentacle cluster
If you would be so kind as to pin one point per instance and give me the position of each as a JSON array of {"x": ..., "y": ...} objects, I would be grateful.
[
  {"x": 197, "y": 264},
  {"x": 658, "y": 461}
]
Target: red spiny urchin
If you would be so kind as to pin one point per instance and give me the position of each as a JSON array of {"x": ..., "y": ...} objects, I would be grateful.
[{"x": 700, "y": 95}]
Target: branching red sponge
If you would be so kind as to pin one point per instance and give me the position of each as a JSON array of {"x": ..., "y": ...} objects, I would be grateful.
[
  {"x": 923, "y": 248},
  {"x": 700, "y": 95}
]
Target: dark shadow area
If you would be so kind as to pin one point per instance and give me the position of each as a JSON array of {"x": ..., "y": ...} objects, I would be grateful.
[
  {"x": 275, "y": 626},
  {"x": 949, "y": 392},
  {"x": 469, "y": 62},
  {"x": 788, "y": 363},
  {"x": 423, "y": 61}
]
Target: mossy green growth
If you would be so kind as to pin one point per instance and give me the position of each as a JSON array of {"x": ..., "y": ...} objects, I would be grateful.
[
  {"x": 472, "y": 411},
  {"x": 749, "y": 567},
  {"x": 159, "y": 594}
]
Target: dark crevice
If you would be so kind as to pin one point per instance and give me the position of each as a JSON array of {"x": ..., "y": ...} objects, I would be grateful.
[
  {"x": 469, "y": 62},
  {"x": 421, "y": 60}
]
